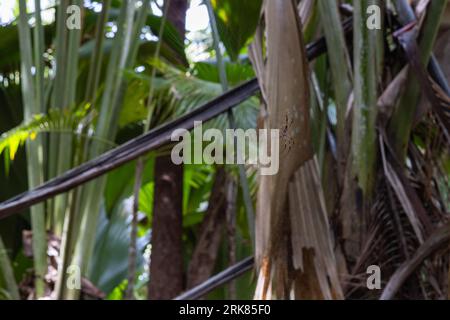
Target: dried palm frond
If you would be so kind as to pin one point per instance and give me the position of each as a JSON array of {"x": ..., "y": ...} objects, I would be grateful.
[
  {"x": 401, "y": 220},
  {"x": 294, "y": 248}
]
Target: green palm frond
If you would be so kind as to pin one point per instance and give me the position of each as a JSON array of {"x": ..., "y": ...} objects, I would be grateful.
[
  {"x": 55, "y": 121},
  {"x": 178, "y": 92}
]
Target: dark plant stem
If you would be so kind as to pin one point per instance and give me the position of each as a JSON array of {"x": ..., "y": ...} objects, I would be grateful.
[
  {"x": 133, "y": 235},
  {"x": 231, "y": 232},
  {"x": 208, "y": 241}
]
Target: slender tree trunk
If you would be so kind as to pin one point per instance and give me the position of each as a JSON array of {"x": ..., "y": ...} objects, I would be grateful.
[
  {"x": 177, "y": 15},
  {"x": 166, "y": 264}
]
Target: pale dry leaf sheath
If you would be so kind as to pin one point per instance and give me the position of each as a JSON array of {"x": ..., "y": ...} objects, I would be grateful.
[{"x": 294, "y": 244}]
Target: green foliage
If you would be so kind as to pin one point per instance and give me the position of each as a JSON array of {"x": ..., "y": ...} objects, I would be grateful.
[
  {"x": 197, "y": 185},
  {"x": 134, "y": 108},
  {"x": 119, "y": 184},
  {"x": 236, "y": 72},
  {"x": 236, "y": 21},
  {"x": 109, "y": 262},
  {"x": 177, "y": 92},
  {"x": 116, "y": 102},
  {"x": 58, "y": 121}
]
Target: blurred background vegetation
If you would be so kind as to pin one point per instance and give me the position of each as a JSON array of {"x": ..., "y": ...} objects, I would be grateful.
[{"x": 151, "y": 229}]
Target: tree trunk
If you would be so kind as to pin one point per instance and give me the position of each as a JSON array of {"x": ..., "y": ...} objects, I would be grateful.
[
  {"x": 177, "y": 15},
  {"x": 166, "y": 263}
]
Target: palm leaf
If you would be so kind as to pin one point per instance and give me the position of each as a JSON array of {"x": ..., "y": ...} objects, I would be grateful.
[{"x": 54, "y": 122}]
